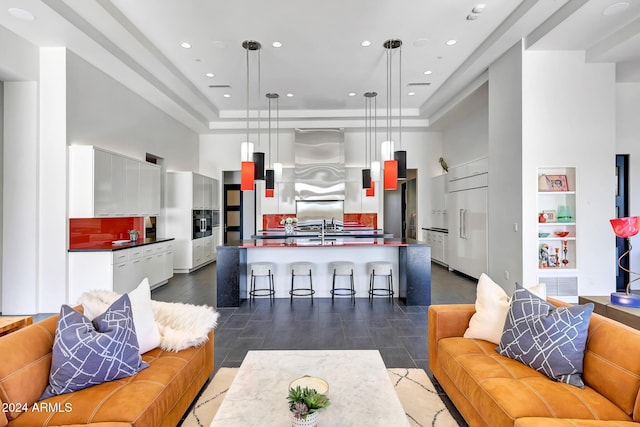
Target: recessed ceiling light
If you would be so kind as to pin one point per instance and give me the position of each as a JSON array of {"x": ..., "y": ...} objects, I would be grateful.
[
  {"x": 479, "y": 8},
  {"x": 365, "y": 43},
  {"x": 210, "y": 75},
  {"x": 451, "y": 42},
  {"x": 185, "y": 45},
  {"x": 426, "y": 73},
  {"x": 290, "y": 95},
  {"x": 276, "y": 44},
  {"x": 615, "y": 8},
  {"x": 352, "y": 94},
  {"x": 472, "y": 17},
  {"x": 411, "y": 93},
  {"x": 22, "y": 14},
  {"x": 226, "y": 95}
]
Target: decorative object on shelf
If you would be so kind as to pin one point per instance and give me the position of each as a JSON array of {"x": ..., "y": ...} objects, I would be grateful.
[
  {"x": 550, "y": 214},
  {"x": 444, "y": 165},
  {"x": 133, "y": 235},
  {"x": 248, "y": 157},
  {"x": 543, "y": 256},
  {"x": 543, "y": 235},
  {"x": 542, "y": 218},
  {"x": 565, "y": 245},
  {"x": 564, "y": 214},
  {"x": 289, "y": 224},
  {"x": 561, "y": 233},
  {"x": 553, "y": 183},
  {"x": 304, "y": 404},
  {"x": 626, "y": 228}
]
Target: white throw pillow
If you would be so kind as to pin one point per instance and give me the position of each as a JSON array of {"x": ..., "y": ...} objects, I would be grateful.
[
  {"x": 492, "y": 306},
  {"x": 143, "y": 319}
]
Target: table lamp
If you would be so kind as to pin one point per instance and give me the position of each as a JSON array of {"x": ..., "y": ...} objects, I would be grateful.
[{"x": 626, "y": 228}]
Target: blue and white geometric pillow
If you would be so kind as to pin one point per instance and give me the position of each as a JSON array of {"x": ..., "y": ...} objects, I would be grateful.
[
  {"x": 87, "y": 353},
  {"x": 546, "y": 338}
]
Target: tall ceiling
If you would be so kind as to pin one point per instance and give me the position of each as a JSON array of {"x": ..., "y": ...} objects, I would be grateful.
[{"x": 321, "y": 61}]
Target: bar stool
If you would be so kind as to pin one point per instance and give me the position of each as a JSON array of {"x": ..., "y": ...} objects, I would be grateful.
[
  {"x": 380, "y": 268},
  {"x": 262, "y": 269},
  {"x": 301, "y": 269},
  {"x": 342, "y": 268}
]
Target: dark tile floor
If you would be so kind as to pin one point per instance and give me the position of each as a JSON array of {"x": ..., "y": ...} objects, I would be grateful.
[{"x": 397, "y": 331}]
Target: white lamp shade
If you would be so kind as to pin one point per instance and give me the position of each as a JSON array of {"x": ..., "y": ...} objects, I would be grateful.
[
  {"x": 277, "y": 172},
  {"x": 375, "y": 170},
  {"x": 387, "y": 150},
  {"x": 246, "y": 151}
]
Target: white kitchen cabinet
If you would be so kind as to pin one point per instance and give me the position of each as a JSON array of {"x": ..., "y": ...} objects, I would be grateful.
[
  {"x": 106, "y": 184},
  {"x": 121, "y": 270},
  {"x": 215, "y": 194},
  {"x": 439, "y": 217},
  {"x": 439, "y": 246},
  {"x": 215, "y": 238},
  {"x": 186, "y": 192},
  {"x": 467, "y": 212}
]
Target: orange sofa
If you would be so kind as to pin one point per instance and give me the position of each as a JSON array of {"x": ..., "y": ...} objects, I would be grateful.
[
  {"x": 492, "y": 390},
  {"x": 156, "y": 396}
]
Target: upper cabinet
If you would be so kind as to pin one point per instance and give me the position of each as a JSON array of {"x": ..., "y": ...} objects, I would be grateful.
[
  {"x": 204, "y": 190},
  {"x": 106, "y": 184}
]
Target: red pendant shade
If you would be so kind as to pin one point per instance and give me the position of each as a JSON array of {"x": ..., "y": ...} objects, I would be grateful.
[
  {"x": 269, "y": 192},
  {"x": 371, "y": 191},
  {"x": 390, "y": 174},
  {"x": 626, "y": 227},
  {"x": 247, "y": 172}
]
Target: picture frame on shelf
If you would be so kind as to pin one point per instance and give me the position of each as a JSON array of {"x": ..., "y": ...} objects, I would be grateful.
[
  {"x": 551, "y": 215},
  {"x": 553, "y": 261},
  {"x": 553, "y": 183}
]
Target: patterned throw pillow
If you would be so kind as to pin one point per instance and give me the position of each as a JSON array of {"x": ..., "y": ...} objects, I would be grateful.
[
  {"x": 546, "y": 338},
  {"x": 87, "y": 353}
]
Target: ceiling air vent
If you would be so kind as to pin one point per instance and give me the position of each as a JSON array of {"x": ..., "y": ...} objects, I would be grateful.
[
  {"x": 219, "y": 86},
  {"x": 419, "y": 84}
]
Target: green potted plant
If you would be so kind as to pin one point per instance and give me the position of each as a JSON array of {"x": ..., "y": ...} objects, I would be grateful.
[
  {"x": 304, "y": 404},
  {"x": 133, "y": 235}
]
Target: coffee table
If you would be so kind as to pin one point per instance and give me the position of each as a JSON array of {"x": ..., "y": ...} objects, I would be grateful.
[{"x": 360, "y": 389}]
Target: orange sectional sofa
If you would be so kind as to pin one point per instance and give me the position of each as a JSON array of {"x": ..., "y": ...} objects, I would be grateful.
[
  {"x": 492, "y": 390},
  {"x": 156, "y": 396}
]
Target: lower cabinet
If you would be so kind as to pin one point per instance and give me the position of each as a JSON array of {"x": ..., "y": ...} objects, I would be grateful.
[
  {"x": 119, "y": 271},
  {"x": 438, "y": 242},
  {"x": 193, "y": 254}
]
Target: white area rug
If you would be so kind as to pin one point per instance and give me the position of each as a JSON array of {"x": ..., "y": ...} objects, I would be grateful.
[{"x": 417, "y": 394}]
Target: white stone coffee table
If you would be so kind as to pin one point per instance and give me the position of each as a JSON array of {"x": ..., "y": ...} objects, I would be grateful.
[{"x": 360, "y": 390}]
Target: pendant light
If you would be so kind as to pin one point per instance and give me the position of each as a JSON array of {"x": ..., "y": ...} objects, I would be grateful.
[
  {"x": 258, "y": 157},
  {"x": 375, "y": 164},
  {"x": 395, "y": 166},
  {"x": 248, "y": 167},
  {"x": 277, "y": 166},
  {"x": 367, "y": 178},
  {"x": 270, "y": 173}
]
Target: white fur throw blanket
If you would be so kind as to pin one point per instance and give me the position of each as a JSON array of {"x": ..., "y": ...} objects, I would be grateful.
[{"x": 181, "y": 325}]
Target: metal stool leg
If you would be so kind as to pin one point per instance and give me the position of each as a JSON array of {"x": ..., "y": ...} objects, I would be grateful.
[
  {"x": 311, "y": 286},
  {"x": 353, "y": 289}
]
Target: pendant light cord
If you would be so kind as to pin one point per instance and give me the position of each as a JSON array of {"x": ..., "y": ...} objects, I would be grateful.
[
  {"x": 270, "y": 163},
  {"x": 400, "y": 99},
  {"x": 247, "y": 150},
  {"x": 258, "y": 103}
]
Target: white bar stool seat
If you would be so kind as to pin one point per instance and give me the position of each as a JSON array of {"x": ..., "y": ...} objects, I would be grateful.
[
  {"x": 265, "y": 270},
  {"x": 302, "y": 269},
  {"x": 380, "y": 268},
  {"x": 342, "y": 268}
]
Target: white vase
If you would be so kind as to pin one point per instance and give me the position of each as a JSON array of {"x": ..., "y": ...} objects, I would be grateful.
[{"x": 311, "y": 421}]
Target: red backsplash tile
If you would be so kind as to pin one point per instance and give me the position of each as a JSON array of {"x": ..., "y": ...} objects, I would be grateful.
[{"x": 102, "y": 230}]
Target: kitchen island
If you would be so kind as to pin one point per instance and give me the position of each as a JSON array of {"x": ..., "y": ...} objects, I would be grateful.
[{"x": 411, "y": 262}]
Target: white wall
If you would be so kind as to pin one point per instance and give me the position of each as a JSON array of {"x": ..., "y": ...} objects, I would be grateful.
[
  {"x": 20, "y": 190},
  {"x": 628, "y": 142},
  {"x": 505, "y": 169},
  {"x": 569, "y": 119},
  {"x": 103, "y": 112},
  {"x": 1, "y": 178},
  {"x": 467, "y": 139}
]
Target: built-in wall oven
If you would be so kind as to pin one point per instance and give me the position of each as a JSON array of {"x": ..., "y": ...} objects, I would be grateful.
[{"x": 202, "y": 223}]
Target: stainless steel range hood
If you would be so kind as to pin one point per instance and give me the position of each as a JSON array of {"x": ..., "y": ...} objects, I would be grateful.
[{"x": 319, "y": 164}]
